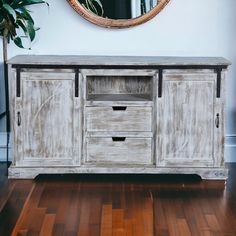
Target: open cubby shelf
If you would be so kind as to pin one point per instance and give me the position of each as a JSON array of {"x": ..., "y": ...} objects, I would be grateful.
[{"x": 119, "y": 88}]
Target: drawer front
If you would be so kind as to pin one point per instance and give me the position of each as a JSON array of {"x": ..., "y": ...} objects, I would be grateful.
[
  {"x": 119, "y": 150},
  {"x": 119, "y": 118}
]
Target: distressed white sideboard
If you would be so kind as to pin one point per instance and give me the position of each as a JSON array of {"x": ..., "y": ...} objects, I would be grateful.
[{"x": 100, "y": 114}]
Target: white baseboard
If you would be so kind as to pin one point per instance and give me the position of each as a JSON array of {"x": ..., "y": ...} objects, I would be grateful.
[
  {"x": 3, "y": 154},
  {"x": 3, "y": 139},
  {"x": 230, "y": 148},
  {"x": 3, "y": 147}
]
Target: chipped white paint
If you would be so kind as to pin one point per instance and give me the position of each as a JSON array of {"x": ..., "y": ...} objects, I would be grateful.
[
  {"x": 128, "y": 151},
  {"x": 116, "y": 60},
  {"x": 115, "y": 107},
  {"x": 186, "y": 130},
  {"x": 32, "y": 172},
  {"x": 49, "y": 114},
  {"x": 108, "y": 119},
  {"x": 61, "y": 133}
]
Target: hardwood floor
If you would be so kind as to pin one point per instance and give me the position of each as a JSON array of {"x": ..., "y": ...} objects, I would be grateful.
[{"x": 110, "y": 205}]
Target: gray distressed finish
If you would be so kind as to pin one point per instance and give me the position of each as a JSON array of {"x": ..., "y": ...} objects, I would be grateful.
[
  {"x": 130, "y": 151},
  {"x": 61, "y": 133},
  {"x": 119, "y": 85},
  {"x": 116, "y": 60},
  {"x": 119, "y": 101},
  {"x": 186, "y": 130},
  {"x": 31, "y": 172},
  {"x": 49, "y": 116},
  {"x": 132, "y": 134},
  {"x": 107, "y": 119}
]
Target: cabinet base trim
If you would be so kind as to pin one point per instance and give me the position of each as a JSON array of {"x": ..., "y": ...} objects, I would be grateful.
[{"x": 16, "y": 172}]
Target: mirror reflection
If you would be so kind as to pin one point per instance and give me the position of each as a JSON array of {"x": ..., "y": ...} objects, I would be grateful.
[{"x": 119, "y": 9}]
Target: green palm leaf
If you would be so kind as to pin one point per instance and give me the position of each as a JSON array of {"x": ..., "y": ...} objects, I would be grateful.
[
  {"x": 9, "y": 10},
  {"x": 24, "y": 13},
  {"x": 15, "y": 16},
  {"x": 18, "y": 42}
]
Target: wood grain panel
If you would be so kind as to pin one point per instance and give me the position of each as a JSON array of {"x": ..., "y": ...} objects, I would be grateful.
[
  {"x": 108, "y": 119},
  {"x": 48, "y": 119},
  {"x": 47, "y": 114},
  {"x": 117, "y": 84},
  {"x": 55, "y": 125},
  {"x": 129, "y": 151},
  {"x": 186, "y": 130},
  {"x": 101, "y": 61}
]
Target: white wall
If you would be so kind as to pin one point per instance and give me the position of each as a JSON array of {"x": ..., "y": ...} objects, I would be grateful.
[{"x": 183, "y": 28}]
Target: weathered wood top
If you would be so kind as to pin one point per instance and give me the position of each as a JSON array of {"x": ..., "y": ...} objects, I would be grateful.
[{"x": 63, "y": 60}]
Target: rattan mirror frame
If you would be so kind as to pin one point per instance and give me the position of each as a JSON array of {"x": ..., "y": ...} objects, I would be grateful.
[{"x": 110, "y": 23}]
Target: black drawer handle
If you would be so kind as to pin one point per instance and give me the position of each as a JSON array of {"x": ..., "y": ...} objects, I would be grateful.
[
  {"x": 18, "y": 118},
  {"x": 217, "y": 120},
  {"x": 118, "y": 139},
  {"x": 119, "y": 108}
]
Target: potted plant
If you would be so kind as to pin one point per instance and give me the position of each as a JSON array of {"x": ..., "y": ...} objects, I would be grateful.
[{"x": 15, "y": 19}]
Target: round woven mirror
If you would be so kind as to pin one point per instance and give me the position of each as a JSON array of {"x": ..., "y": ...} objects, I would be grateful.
[{"x": 118, "y": 13}]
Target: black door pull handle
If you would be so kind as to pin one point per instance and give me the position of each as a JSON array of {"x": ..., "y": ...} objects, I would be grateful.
[
  {"x": 118, "y": 139},
  {"x": 119, "y": 108},
  {"x": 217, "y": 120},
  {"x": 18, "y": 118}
]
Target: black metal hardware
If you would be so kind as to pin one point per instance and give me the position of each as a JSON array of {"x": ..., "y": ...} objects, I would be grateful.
[
  {"x": 18, "y": 82},
  {"x": 76, "y": 83},
  {"x": 160, "y": 68},
  {"x": 217, "y": 120},
  {"x": 154, "y": 67},
  {"x": 118, "y": 139},
  {"x": 218, "y": 82},
  {"x": 18, "y": 118},
  {"x": 160, "y": 83},
  {"x": 119, "y": 108}
]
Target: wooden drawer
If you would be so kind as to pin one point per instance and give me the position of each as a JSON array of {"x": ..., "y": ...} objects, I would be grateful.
[
  {"x": 119, "y": 150},
  {"x": 119, "y": 118}
]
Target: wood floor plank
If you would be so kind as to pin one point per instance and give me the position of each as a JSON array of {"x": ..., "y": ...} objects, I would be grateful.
[
  {"x": 183, "y": 227},
  {"x": 223, "y": 216},
  {"x": 137, "y": 210},
  {"x": 30, "y": 203},
  {"x": 106, "y": 220},
  {"x": 118, "y": 219},
  {"x": 22, "y": 233},
  {"x": 148, "y": 221},
  {"x": 6, "y": 195},
  {"x": 160, "y": 223},
  {"x": 84, "y": 215},
  {"x": 47, "y": 225},
  {"x": 128, "y": 225},
  {"x": 58, "y": 230},
  {"x": 13, "y": 204},
  {"x": 191, "y": 218},
  {"x": 213, "y": 222},
  {"x": 96, "y": 206},
  {"x": 196, "y": 217},
  {"x": 33, "y": 221},
  {"x": 73, "y": 214},
  {"x": 64, "y": 197}
]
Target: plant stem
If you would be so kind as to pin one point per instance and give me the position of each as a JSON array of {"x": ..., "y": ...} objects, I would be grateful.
[{"x": 4, "y": 44}]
